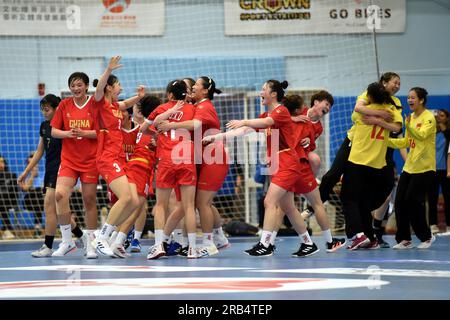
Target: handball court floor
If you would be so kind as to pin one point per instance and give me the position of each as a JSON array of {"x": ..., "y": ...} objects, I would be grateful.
[{"x": 231, "y": 275}]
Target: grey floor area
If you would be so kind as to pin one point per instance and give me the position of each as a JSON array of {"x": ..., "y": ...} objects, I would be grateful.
[{"x": 231, "y": 275}]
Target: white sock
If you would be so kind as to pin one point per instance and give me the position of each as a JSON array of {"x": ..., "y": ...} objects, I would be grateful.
[
  {"x": 327, "y": 236},
  {"x": 120, "y": 239},
  {"x": 265, "y": 238},
  {"x": 192, "y": 238},
  {"x": 272, "y": 237},
  {"x": 106, "y": 231},
  {"x": 66, "y": 232},
  {"x": 208, "y": 239},
  {"x": 166, "y": 238},
  {"x": 178, "y": 235},
  {"x": 159, "y": 236},
  {"x": 113, "y": 237},
  {"x": 185, "y": 242},
  {"x": 137, "y": 235},
  {"x": 305, "y": 238},
  {"x": 359, "y": 235}
]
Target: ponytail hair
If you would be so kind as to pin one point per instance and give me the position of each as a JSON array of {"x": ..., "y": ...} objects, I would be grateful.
[
  {"x": 293, "y": 102},
  {"x": 178, "y": 88},
  {"x": 210, "y": 85},
  {"x": 278, "y": 87}
]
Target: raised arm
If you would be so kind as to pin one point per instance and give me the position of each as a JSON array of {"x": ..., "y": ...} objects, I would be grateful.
[
  {"x": 112, "y": 65},
  {"x": 123, "y": 105}
]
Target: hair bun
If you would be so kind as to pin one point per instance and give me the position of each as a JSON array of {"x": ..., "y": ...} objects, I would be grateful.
[
  {"x": 284, "y": 84},
  {"x": 95, "y": 82}
]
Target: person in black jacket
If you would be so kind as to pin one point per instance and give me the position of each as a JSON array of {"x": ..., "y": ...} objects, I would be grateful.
[{"x": 8, "y": 197}]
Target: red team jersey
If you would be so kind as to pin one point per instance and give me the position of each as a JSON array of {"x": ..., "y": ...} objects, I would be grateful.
[
  {"x": 109, "y": 135},
  {"x": 211, "y": 176},
  {"x": 77, "y": 153},
  {"x": 314, "y": 130},
  {"x": 169, "y": 140},
  {"x": 141, "y": 164},
  {"x": 294, "y": 172},
  {"x": 129, "y": 142},
  {"x": 176, "y": 166}
]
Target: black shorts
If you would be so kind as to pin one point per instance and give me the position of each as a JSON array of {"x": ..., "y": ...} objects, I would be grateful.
[{"x": 50, "y": 179}]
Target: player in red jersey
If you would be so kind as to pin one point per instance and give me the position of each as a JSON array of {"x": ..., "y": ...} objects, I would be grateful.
[
  {"x": 290, "y": 169},
  {"x": 176, "y": 167},
  {"x": 309, "y": 126},
  {"x": 108, "y": 125},
  {"x": 212, "y": 160},
  {"x": 140, "y": 168},
  {"x": 73, "y": 122}
]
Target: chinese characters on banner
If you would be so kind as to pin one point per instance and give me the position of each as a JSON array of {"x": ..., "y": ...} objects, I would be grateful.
[{"x": 82, "y": 17}]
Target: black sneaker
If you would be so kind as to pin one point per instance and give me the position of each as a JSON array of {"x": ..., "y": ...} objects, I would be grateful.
[
  {"x": 260, "y": 250},
  {"x": 184, "y": 251},
  {"x": 383, "y": 244},
  {"x": 306, "y": 250},
  {"x": 335, "y": 244}
]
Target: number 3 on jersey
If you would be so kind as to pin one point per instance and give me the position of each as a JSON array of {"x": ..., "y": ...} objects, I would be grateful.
[
  {"x": 116, "y": 166},
  {"x": 375, "y": 135}
]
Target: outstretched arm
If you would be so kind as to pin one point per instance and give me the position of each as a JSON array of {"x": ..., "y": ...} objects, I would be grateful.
[
  {"x": 123, "y": 105},
  {"x": 260, "y": 123},
  {"x": 112, "y": 65}
]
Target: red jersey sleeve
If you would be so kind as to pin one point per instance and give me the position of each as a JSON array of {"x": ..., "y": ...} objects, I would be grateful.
[
  {"x": 57, "y": 120},
  {"x": 159, "y": 110},
  {"x": 281, "y": 116},
  {"x": 206, "y": 115}
]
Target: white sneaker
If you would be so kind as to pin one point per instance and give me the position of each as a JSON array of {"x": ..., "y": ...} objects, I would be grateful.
[
  {"x": 427, "y": 244},
  {"x": 102, "y": 247},
  {"x": 42, "y": 252},
  {"x": 64, "y": 248},
  {"x": 434, "y": 229},
  {"x": 89, "y": 252},
  {"x": 221, "y": 242},
  {"x": 193, "y": 253},
  {"x": 403, "y": 245},
  {"x": 119, "y": 251},
  {"x": 156, "y": 251},
  {"x": 207, "y": 251},
  {"x": 8, "y": 235}
]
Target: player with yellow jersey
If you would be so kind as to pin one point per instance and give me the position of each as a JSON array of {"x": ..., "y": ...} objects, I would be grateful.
[
  {"x": 418, "y": 172},
  {"x": 363, "y": 173}
]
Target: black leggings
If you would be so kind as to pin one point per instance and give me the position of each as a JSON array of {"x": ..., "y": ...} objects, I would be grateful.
[
  {"x": 332, "y": 177},
  {"x": 410, "y": 205}
]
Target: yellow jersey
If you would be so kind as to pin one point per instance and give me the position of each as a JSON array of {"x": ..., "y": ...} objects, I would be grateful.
[
  {"x": 370, "y": 142},
  {"x": 420, "y": 138},
  {"x": 363, "y": 96}
]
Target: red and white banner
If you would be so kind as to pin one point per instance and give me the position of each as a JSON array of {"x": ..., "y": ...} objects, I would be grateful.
[
  {"x": 82, "y": 17},
  {"x": 259, "y": 17}
]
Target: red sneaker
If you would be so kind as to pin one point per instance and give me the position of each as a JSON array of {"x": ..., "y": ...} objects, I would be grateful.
[{"x": 359, "y": 242}]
